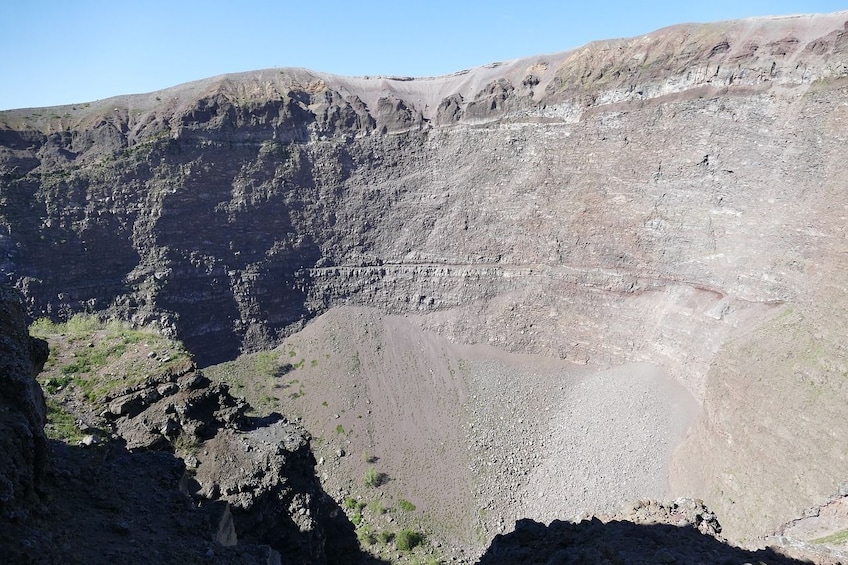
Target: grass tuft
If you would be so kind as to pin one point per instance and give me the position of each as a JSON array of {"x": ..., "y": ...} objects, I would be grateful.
[{"x": 407, "y": 540}]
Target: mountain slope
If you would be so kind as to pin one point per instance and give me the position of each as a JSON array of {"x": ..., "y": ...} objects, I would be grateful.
[{"x": 675, "y": 199}]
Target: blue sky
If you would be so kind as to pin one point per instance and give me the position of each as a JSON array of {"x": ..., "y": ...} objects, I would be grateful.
[{"x": 66, "y": 51}]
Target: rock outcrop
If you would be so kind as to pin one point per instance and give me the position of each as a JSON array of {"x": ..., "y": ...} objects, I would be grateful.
[
  {"x": 648, "y": 531},
  {"x": 261, "y": 469},
  {"x": 820, "y": 533},
  {"x": 168, "y": 469},
  {"x": 683, "y": 532},
  {"x": 23, "y": 447},
  {"x": 674, "y": 199}
]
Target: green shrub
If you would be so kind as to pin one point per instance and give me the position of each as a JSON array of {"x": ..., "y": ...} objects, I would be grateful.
[
  {"x": 385, "y": 537},
  {"x": 185, "y": 444},
  {"x": 266, "y": 363},
  {"x": 55, "y": 384},
  {"x": 406, "y": 540},
  {"x": 352, "y": 504},
  {"x": 364, "y": 535},
  {"x": 376, "y": 507},
  {"x": 406, "y": 505},
  {"x": 372, "y": 478}
]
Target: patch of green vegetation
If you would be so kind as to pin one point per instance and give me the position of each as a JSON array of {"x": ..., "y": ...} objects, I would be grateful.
[
  {"x": 356, "y": 518},
  {"x": 407, "y": 540},
  {"x": 54, "y": 384},
  {"x": 92, "y": 358},
  {"x": 376, "y": 507},
  {"x": 257, "y": 376},
  {"x": 340, "y": 429},
  {"x": 266, "y": 363},
  {"x": 88, "y": 353},
  {"x": 372, "y": 479},
  {"x": 78, "y": 327},
  {"x": 352, "y": 504},
  {"x": 61, "y": 424},
  {"x": 313, "y": 363},
  {"x": 839, "y": 538},
  {"x": 385, "y": 537},
  {"x": 364, "y": 535},
  {"x": 292, "y": 353},
  {"x": 185, "y": 444},
  {"x": 406, "y": 505}
]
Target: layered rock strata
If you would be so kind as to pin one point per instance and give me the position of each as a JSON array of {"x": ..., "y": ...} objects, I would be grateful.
[{"x": 675, "y": 199}]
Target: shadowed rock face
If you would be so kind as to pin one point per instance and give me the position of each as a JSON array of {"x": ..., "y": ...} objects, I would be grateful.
[
  {"x": 592, "y": 541},
  {"x": 675, "y": 199},
  {"x": 23, "y": 446}
]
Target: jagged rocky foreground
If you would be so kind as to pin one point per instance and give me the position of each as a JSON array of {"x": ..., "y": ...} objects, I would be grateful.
[
  {"x": 675, "y": 199},
  {"x": 680, "y": 532},
  {"x": 168, "y": 470}
]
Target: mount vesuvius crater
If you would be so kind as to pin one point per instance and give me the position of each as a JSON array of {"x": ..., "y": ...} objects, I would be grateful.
[{"x": 676, "y": 199}]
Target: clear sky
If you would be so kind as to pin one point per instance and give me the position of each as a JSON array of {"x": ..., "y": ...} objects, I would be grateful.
[{"x": 66, "y": 51}]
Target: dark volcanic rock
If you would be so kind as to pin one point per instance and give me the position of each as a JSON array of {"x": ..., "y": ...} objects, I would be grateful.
[
  {"x": 23, "y": 446},
  {"x": 647, "y": 532},
  {"x": 595, "y": 542},
  {"x": 675, "y": 199},
  {"x": 260, "y": 472},
  {"x": 172, "y": 471}
]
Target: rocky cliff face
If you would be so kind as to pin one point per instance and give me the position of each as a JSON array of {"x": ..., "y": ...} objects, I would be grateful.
[
  {"x": 23, "y": 446},
  {"x": 675, "y": 198}
]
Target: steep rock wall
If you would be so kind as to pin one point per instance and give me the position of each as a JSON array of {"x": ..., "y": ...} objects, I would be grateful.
[
  {"x": 651, "y": 199},
  {"x": 23, "y": 446}
]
